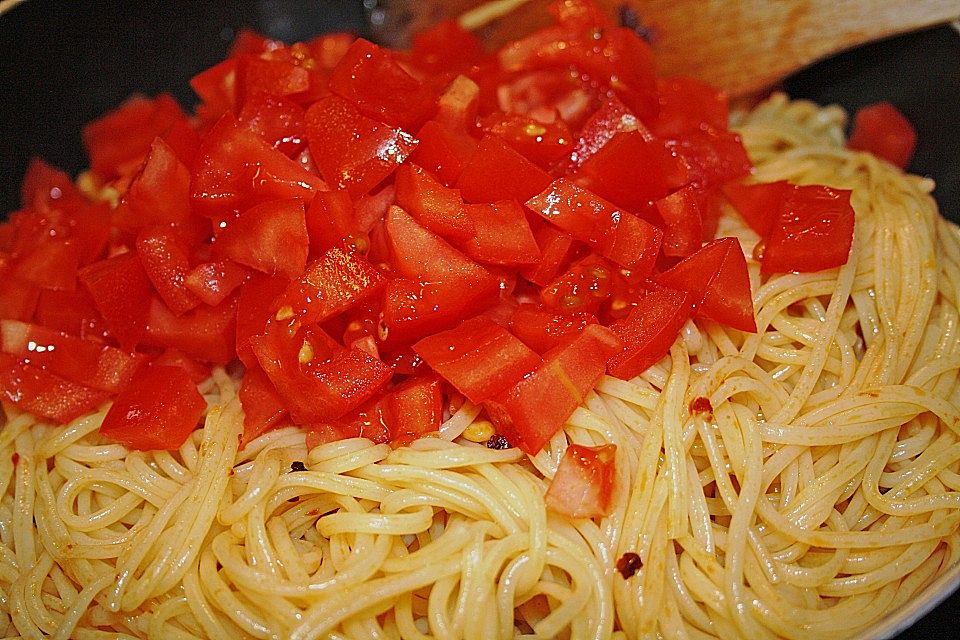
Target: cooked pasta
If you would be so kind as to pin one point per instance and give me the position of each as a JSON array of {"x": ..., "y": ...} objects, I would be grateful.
[{"x": 821, "y": 492}]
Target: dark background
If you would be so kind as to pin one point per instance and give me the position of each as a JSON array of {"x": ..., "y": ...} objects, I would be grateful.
[{"x": 65, "y": 63}]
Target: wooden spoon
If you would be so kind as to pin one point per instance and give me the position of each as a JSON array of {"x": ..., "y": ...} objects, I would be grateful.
[{"x": 741, "y": 46}]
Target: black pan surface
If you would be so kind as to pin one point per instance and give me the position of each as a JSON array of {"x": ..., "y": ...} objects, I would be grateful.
[{"x": 64, "y": 63}]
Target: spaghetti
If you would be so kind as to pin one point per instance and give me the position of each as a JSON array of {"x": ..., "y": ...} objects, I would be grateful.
[{"x": 815, "y": 491}]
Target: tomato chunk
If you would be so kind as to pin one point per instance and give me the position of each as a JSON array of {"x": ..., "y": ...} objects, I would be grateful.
[
  {"x": 415, "y": 408},
  {"x": 717, "y": 277},
  {"x": 158, "y": 410},
  {"x": 542, "y": 329},
  {"x": 502, "y": 235},
  {"x": 885, "y": 132},
  {"x": 480, "y": 358},
  {"x": 329, "y": 285},
  {"x": 263, "y": 409},
  {"x": 436, "y": 207},
  {"x": 121, "y": 292},
  {"x": 166, "y": 261},
  {"x": 205, "y": 333},
  {"x": 814, "y": 231},
  {"x": 34, "y": 389},
  {"x": 648, "y": 331},
  {"x": 583, "y": 484},
  {"x": 497, "y": 172},
  {"x": 759, "y": 204},
  {"x": 269, "y": 237}
]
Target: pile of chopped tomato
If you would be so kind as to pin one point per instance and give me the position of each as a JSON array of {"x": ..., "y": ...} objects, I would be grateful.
[{"x": 368, "y": 238}]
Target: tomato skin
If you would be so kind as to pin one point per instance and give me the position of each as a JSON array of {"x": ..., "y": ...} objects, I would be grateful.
[
  {"x": 270, "y": 237},
  {"x": 813, "y": 232},
  {"x": 648, "y": 331},
  {"x": 121, "y": 292},
  {"x": 758, "y": 204},
  {"x": 497, "y": 172},
  {"x": 263, "y": 408},
  {"x": 557, "y": 250},
  {"x": 444, "y": 150},
  {"x": 256, "y": 303},
  {"x": 157, "y": 411},
  {"x": 479, "y": 357},
  {"x": 205, "y": 333},
  {"x": 584, "y": 482},
  {"x": 884, "y": 131},
  {"x": 611, "y": 118},
  {"x": 716, "y": 276},
  {"x": 212, "y": 282},
  {"x": 40, "y": 392},
  {"x": 369, "y": 78},
  {"x": 436, "y": 207},
  {"x": 714, "y": 156},
  {"x": 683, "y": 224},
  {"x": 616, "y": 234},
  {"x": 502, "y": 235},
  {"x": 445, "y": 45},
  {"x": 352, "y": 151},
  {"x": 687, "y": 104},
  {"x": 536, "y": 407},
  {"x": 415, "y": 407},
  {"x": 542, "y": 329},
  {"x": 160, "y": 192},
  {"x": 544, "y": 144},
  {"x": 279, "y": 121},
  {"x": 413, "y": 309},
  {"x": 331, "y": 222},
  {"x": 166, "y": 261}
]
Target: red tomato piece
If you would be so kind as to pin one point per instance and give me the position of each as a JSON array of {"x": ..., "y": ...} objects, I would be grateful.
[
  {"x": 117, "y": 142},
  {"x": 18, "y": 299},
  {"x": 884, "y": 131},
  {"x": 415, "y": 407},
  {"x": 813, "y": 232},
  {"x": 436, "y": 207},
  {"x": 370, "y": 78},
  {"x": 759, "y": 204},
  {"x": 205, "y": 333},
  {"x": 497, "y": 172},
  {"x": 256, "y": 303},
  {"x": 444, "y": 151},
  {"x": 683, "y": 226},
  {"x": 166, "y": 261},
  {"x": 270, "y": 237},
  {"x": 280, "y": 122},
  {"x": 352, "y": 151},
  {"x": 713, "y": 155},
  {"x": 583, "y": 484},
  {"x": 35, "y": 390},
  {"x": 458, "y": 105},
  {"x": 51, "y": 264},
  {"x": 256, "y": 74},
  {"x": 557, "y": 250},
  {"x": 44, "y": 185},
  {"x": 216, "y": 87},
  {"x": 611, "y": 118},
  {"x": 157, "y": 411},
  {"x": 330, "y": 285},
  {"x": 542, "y": 329},
  {"x": 84, "y": 361},
  {"x": 544, "y": 144},
  {"x": 198, "y": 371},
  {"x": 536, "y": 407},
  {"x": 237, "y": 169},
  {"x": 121, "y": 292},
  {"x": 479, "y": 357},
  {"x": 212, "y": 282},
  {"x": 502, "y": 235},
  {"x": 331, "y": 223},
  {"x": 444, "y": 46},
  {"x": 263, "y": 408},
  {"x": 631, "y": 170},
  {"x": 413, "y": 309},
  {"x": 685, "y": 104},
  {"x": 716, "y": 276},
  {"x": 160, "y": 192},
  {"x": 72, "y": 312},
  {"x": 616, "y": 234},
  {"x": 583, "y": 287},
  {"x": 649, "y": 331}
]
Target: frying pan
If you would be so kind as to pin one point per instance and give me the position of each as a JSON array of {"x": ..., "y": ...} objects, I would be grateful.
[{"x": 65, "y": 63}]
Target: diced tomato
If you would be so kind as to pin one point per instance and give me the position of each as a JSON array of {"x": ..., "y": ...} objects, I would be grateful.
[
  {"x": 329, "y": 285},
  {"x": 683, "y": 226},
  {"x": 212, "y": 282},
  {"x": 759, "y": 204},
  {"x": 158, "y": 410},
  {"x": 159, "y": 194},
  {"x": 51, "y": 264},
  {"x": 352, "y": 151},
  {"x": 497, "y": 172},
  {"x": 502, "y": 235},
  {"x": 248, "y": 41},
  {"x": 328, "y": 49},
  {"x": 542, "y": 329},
  {"x": 686, "y": 104},
  {"x": 121, "y": 292},
  {"x": 256, "y": 303},
  {"x": 557, "y": 250},
  {"x": 270, "y": 237},
  {"x": 885, "y": 132},
  {"x": 544, "y": 144},
  {"x": 713, "y": 155},
  {"x": 443, "y": 151},
  {"x": 370, "y": 420},
  {"x": 413, "y": 309},
  {"x": 444, "y": 46},
  {"x": 583, "y": 287},
  {"x": 631, "y": 170},
  {"x": 370, "y": 78},
  {"x": 40, "y": 392},
  {"x": 18, "y": 299},
  {"x": 280, "y": 122},
  {"x": 44, "y": 185},
  {"x": 237, "y": 169},
  {"x": 716, "y": 276},
  {"x": 198, "y": 371},
  {"x": 611, "y": 118},
  {"x": 331, "y": 223},
  {"x": 118, "y": 141},
  {"x": 216, "y": 87},
  {"x": 535, "y": 408},
  {"x": 583, "y": 484},
  {"x": 83, "y": 361},
  {"x": 612, "y": 232},
  {"x": 256, "y": 74},
  {"x": 436, "y": 207},
  {"x": 813, "y": 232},
  {"x": 479, "y": 357},
  {"x": 415, "y": 407},
  {"x": 262, "y": 406},
  {"x": 649, "y": 331},
  {"x": 72, "y": 312},
  {"x": 206, "y": 333},
  {"x": 166, "y": 261},
  {"x": 458, "y": 105}
]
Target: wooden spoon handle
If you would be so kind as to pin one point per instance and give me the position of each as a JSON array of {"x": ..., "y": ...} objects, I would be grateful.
[{"x": 742, "y": 46}]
